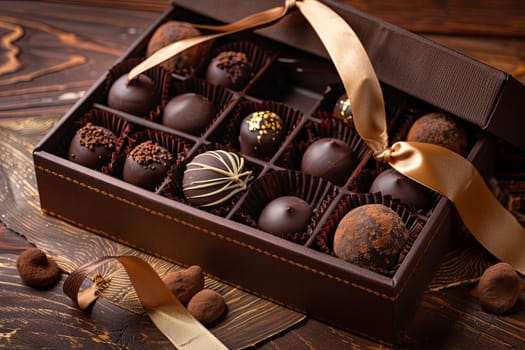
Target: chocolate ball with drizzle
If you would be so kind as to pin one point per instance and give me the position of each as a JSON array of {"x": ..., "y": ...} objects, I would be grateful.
[
  {"x": 261, "y": 134},
  {"x": 146, "y": 165},
  {"x": 214, "y": 177},
  {"x": 230, "y": 69},
  {"x": 92, "y": 146}
]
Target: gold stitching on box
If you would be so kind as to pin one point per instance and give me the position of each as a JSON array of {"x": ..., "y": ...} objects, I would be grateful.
[{"x": 202, "y": 229}]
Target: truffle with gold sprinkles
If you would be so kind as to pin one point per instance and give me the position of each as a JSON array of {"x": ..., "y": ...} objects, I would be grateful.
[
  {"x": 146, "y": 165},
  {"x": 213, "y": 178},
  {"x": 261, "y": 134},
  {"x": 343, "y": 109},
  {"x": 371, "y": 236}
]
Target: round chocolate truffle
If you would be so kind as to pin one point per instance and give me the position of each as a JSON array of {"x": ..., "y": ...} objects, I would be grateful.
[
  {"x": 371, "y": 236},
  {"x": 261, "y": 134},
  {"x": 185, "y": 62},
  {"x": 343, "y": 109},
  {"x": 230, "y": 69},
  {"x": 92, "y": 146},
  {"x": 499, "y": 288},
  {"x": 285, "y": 215},
  {"x": 37, "y": 270},
  {"x": 139, "y": 97},
  {"x": 329, "y": 158},
  {"x": 147, "y": 165},
  {"x": 214, "y": 177},
  {"x": 439, "y": 129},
  {"x": 189, "y": 112},
  {"x": 409, "y": 192}
]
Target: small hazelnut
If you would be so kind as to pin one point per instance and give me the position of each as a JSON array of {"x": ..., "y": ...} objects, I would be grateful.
[
  {"x": 36, "y": 269},
  {"x": 185, "y": 283},
  {"x": 207, "y": 306},
  {"x": 499, "y": 288}
]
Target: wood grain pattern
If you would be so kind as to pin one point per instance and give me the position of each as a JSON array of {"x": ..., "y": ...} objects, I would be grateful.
[{"x": 52, "y": 52}]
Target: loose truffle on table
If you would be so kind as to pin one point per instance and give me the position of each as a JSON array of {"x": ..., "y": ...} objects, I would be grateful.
[
  {"x": 207, "y": 306},
  {"x": 371, "y": 236},
  {"x": 409, "y": 192},
  {"x": 343, "y": 109},
  {"x": 440, "y": 129},
  {"x": 230, "y": 69},
  {"x": 499, "y": 288},
  {"x": 186, "y": 62},
  {"x": 188, "y": 112},
  {"x": 146, "y": 165},
  {"x": 285, "y": 215},
  {"x": 214, "y": 177},
  {"x": 329, "y": 158},
  {"x": 139, "y": 97},
  {"x": 261, "y": 134},
  {"x": 92, "y": 146},
  {"x": 36, "y": 269}
]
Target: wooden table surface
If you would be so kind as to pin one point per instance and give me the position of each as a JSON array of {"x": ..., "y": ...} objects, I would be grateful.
[{"x": 52, "y": 51}]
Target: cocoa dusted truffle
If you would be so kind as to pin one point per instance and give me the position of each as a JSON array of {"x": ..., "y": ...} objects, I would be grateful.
[
  {"x": 499, "y": 288},
  {"x": 189, "y": 112},
  {"x": 185, "y": 283},
  {"x": 36, "y": 269},
  {"x": 343, "y": 109},
  {"x": 92, "y": 146},
  {"x": 261, "y": 134},
  {"x": 186, "y": 62},
  {"x": 285, "y": 215},
  {"x": 409, "y": 192},
  {"x": 214, "y": 177},
  {"x": 207, "y": 306},
  {"x": 371, "y": 236},
  {"x": 147, "y": 165},
  {"x": 139, "y": 97},
  {"x": 230, "y": 69},
  {"x": 329, "y": 158},
  {"x": 440, "y": 129}
]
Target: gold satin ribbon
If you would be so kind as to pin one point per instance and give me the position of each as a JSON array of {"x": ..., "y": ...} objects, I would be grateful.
[
  {"x": 164, "y": 309},
  {"x": 433, "y": 166}
]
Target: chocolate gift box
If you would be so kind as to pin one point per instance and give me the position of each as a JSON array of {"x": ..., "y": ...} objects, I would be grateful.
[{"x": 292, "y": 80}]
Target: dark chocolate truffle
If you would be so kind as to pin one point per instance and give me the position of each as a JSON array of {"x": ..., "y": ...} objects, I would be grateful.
[
  {"x": 499, "y": 288},
  {"x": 439, "y": 129},
  {"x": 185, "y": 283},
  {"x": 261, "y": 134},
  {"x": 409, "y": 192},
  {"x": 329, "y": 158},
  {"x": 189, "y": 112},
  {"x": 92, "y": 146},
  {"x": 185, "y": 62},
  {"x": 214, "y": 177},
  {"x": 36, "y": 269},
  {"x": 230, "y": 69},
  {"x": 285, "y": 215},
  {"x": 139, "y": 97},
  {"x": 147, "y": 165},
  {"x": 343, "y": 109},
  {"x": 371, "y": 236}
]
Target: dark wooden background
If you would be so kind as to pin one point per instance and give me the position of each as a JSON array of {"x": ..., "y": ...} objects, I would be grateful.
[{"x": 64, "y": 46}]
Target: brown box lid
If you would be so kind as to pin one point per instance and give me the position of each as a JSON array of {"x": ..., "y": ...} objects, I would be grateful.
[{"x": 471, "y": 90}]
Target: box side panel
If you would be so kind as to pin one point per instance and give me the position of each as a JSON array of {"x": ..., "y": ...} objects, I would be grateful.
[{"x": 270, "y": 271}]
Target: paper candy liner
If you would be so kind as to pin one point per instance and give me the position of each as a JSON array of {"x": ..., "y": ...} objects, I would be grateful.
[
  {"x": 315, "y": 191},
  {"x": 176, "y": 146},
  {"x": 161, "y": 78},
  {"x": 108, "y": 120},
  {"x": 172, "y": 189},
  {"x": 219, "y": 96},
  {"x": 289, "y": 116},
  {"x": 323, "y": 241},
  {"x": 325, "y": 127}
]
